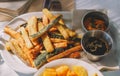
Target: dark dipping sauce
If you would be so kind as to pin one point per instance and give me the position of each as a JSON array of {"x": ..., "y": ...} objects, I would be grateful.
[{"x": 96, "y": 46}]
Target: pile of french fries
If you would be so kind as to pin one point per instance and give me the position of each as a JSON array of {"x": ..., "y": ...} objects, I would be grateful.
[{"x": 35, "y": 38}]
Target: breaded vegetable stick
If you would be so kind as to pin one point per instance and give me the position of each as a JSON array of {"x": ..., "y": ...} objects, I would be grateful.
[
  {"x": 60, "y": 45},
  {"x": 34, "y": 42},
  {"x": 40, "y": 26},
  {"x": 12, "y": 47},
  {"x": 70, "y": 32},
  {"x": 62, "y": 31},
  {"x": 22, "y": 53},
  {"x": 46, "y": 28},
  {"x": 75, "y": 55},
  {"x": 65, "y": 53},
  {"x": 32, "y": 28},
  {"x": 46, "y": 40},
  {"x": 56, "y": 40},
  {"x": 47, "y": 43},
  {"x": 15, "y": 35},
  {"x": 45, "y": 20},
  {"x": 53, "y": 29},
  {"x": 50, "y": 16},
  {"x": 18, "y": 50},
  {"x": 7, "y": 46},
  {"x": 28, "y": 54},
  {"x": 26, "y": 38},
  {"x": 35, "y": 51},
  {"x": 32, "y": 25},
  {"x": 11, "y": 32}
]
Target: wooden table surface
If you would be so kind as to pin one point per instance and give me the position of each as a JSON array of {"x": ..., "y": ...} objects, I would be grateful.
[{"x": 37, "y": 5}]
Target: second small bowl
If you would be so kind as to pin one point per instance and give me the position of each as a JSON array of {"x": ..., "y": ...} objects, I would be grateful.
[{"x": 96, "y": 44}]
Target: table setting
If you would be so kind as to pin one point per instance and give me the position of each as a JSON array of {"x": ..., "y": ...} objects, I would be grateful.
[{"x": 60, "y": 38}]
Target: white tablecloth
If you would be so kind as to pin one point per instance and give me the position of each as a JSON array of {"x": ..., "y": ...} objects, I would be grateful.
[{"x": 113, "y": 7}]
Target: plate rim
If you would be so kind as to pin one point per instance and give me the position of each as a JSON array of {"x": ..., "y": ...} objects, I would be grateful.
[{"x": 67, "y": 59}]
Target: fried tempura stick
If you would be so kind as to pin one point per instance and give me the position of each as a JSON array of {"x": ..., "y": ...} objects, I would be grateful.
[
  {"x": 50, "y": 16},
  {"x": 55, "y": 40},
  {"x": 46, "y": 40},
  {"x": 32, "y": 25},
  {"x": 60, "y": 45},
  {"x": 11, "y": 32},
  {"x": 65, "y": 53},
  {"x": 26, "y": 38},
  {"x": 15, "y": 35}
]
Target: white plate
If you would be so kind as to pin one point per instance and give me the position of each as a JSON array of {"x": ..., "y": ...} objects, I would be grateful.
[
  {"x": 70, "y": 62},
  {"x": 13, "y": 61}
]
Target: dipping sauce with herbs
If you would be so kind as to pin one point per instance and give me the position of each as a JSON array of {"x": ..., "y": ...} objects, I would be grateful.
[{"x": 96, "y": 46}]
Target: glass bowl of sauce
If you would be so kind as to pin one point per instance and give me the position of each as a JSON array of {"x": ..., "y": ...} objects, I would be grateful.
[
  {"x": 95, "y": 20},
  {"x": 96, "y": 44}
]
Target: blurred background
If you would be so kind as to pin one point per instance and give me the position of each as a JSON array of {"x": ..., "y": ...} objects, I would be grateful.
[{"x": 12, "y": 8}]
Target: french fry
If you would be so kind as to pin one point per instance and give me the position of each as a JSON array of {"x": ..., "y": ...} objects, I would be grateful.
[
  {"x": 26, "y": 38},
  {"x": 40, "y": 26},
  {"x": 7, "y": 46},
  {"x": 22, "y": 53},
  {"x": 47, "y": 43},
  {"x": 65, "y": 53},
  {"x": 60, "y": 45},
  {"x": 28, "y": 54},
  {"x": 21, "y": 42},
  {"x": 18, "y": 50},
  {"x": 74, "y": 55},
  {"x": 46, "y": 28},
  {"x": 70, "y": 32},
  {"x": 32, "y": 40},
  {"x": 51, "y": 16},
  {"x": 32, "y": 25},
  {"x": 15, "y": 35},
  {"x": 46, "y": 40},
  {"x": 32, "y": 29},
  {"x": 12, "y": 46},
  {"x": 55, "y": 40},
  {"x": 53, "y": 29},
  {"x": 11, "y": 32},
  {"x": 62, "y": 31},
  {"x": 36, "y": 50},
  {"x": 45, "y": 20}
]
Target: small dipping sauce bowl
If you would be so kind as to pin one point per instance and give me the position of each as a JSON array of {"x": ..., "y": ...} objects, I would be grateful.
[
  {"x": 96, "y": 44},
  {"x": 95, "y": 20}
]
